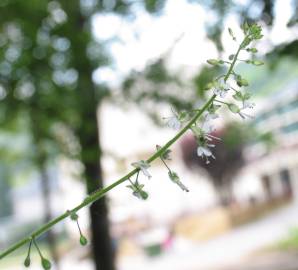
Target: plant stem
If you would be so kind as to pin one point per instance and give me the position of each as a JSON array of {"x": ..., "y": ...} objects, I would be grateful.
[
  {"x": 222, "y": 102},
  {"x": 35, "y": 244},
  {"x": 165, "y": 164},
  {"x": 101, "y": 192},
  {"x": 230, "y": 70}
]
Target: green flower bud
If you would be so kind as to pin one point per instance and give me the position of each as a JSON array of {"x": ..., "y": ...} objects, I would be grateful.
[
  {"x": 46, "y": 264},
  {"x": 27, "y": 261},
  {"x": 245, "y": 27},
  {"x": 232, "y": 34},
  {"x": 213, "y": 62},
  {"x": 257, "y": 62},
  {"x": 241, "y": 81},
  {"x": 208, "y": 86},
  {"x": 233, "y": 108},
  {"x": 74, "y": 216},
  {"x": 246, "y": 96},
  {"x": 231, "y": 56},
  {"x": 246, "y": 42},
  {"x": 83, "y": 240},
  {"x": 144, "y": 195},
  {"x": 238, "y": 96},
  {"x": 175, "y": 178},
  {"x": 252, "y": 50}
]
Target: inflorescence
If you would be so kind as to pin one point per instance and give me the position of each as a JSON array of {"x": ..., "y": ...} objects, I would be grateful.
[{"x": 198, "y": 121}]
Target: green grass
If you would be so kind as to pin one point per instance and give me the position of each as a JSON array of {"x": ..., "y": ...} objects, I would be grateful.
[{"x": 290, "y": 242}]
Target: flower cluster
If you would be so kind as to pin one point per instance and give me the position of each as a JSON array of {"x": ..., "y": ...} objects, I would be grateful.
[
  {"x": 137, "y": 189},
  {"x": 199, "y": 121},
  {"x": 221, "y": 87}
]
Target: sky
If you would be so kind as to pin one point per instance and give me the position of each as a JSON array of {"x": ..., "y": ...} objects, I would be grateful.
[{"x": 180, "y": 28}]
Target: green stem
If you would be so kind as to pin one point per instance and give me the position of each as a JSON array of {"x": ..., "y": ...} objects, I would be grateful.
[
  {"x": 35, "y": 244},
  {"x": 100, "y": 193},
  {"x": 165, "y": 164},
  {"x": 230, "y": 70},
  {"x": 79, "y": 227},
  {"x": 219, "y": 101}
]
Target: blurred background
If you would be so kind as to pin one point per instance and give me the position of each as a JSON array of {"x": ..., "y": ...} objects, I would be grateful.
[{"x": 84, "y": 87}]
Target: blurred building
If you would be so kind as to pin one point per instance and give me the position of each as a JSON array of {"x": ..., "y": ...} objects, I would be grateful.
[{"x": 277, "y": 167}]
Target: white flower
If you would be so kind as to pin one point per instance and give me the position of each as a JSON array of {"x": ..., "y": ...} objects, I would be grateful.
[
  {"x": 245, "y": 115},
  {"x": 235, "y": 109},
  {"x": 211, "y": 116},
  {"x": 247, "y": 105},
  {"x": 143, "y": 166},
  {"x": 220, "y": 92},
  {"x": 173, "y": 122},
  {"x": 205, "y": 152},
  {"x": 221, "y": 89}
]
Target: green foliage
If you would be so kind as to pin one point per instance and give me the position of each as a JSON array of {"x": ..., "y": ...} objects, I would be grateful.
[
  {"x": 290, "y": 242},
  {"x": 153, "y": 6}
]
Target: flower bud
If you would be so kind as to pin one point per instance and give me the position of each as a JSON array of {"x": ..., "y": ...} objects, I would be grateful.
[
  {"x": 233, "y": 108},
  {"x": 213, "y": 62},
  {"x": 252, "y": 50},
  {"x": 46, "y": 264},
  {"x": 83, "y": 240},
  {"x": 74, "y": 216},
  {"x": 257, "y": 62},
  {"x": 27, "y": 261},
  {"x": 241, "y": 81}
]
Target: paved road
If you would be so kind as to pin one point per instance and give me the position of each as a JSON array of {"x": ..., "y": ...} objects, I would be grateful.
[
  {"x": 223, "y": 250},
  {"x": 271, "y": 261}
]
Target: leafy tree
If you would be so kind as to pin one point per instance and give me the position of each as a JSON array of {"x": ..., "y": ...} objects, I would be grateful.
[{"x": 48, "y": 56}]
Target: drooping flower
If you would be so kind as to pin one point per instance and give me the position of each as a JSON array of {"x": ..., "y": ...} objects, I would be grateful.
[
  {"x": 143, "y": 166},
  {"x": 137, "y": 190},
  {"x": 235, "y": 109},
  {"x": 175, "y": 178},
  {"x": 221, "y": 88},
  {"x": 204, "y": 137},
  {"x": 222, "y": 92},
  {"x": 176, "y": 120},
  {"x": 248, "y": 105}
]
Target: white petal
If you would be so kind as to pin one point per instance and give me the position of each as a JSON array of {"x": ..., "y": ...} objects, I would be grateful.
[
  {"x": 207, "y": 152},
  {"x": 145, "y": 172},
  {"x": 211, "y": 116},
  {"x": 200, "y": 151},
  {"x": 174, "y": 123}
]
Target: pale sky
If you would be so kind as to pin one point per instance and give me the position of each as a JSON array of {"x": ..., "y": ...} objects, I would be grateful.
[{"x": 148, "y": 37}]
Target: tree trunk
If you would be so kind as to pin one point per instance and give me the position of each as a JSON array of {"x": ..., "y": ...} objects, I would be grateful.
[
  {"x": 46, "y": 198},
  {"x": 101, "y": 241},
  {"x": 87, "y": 131}
]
